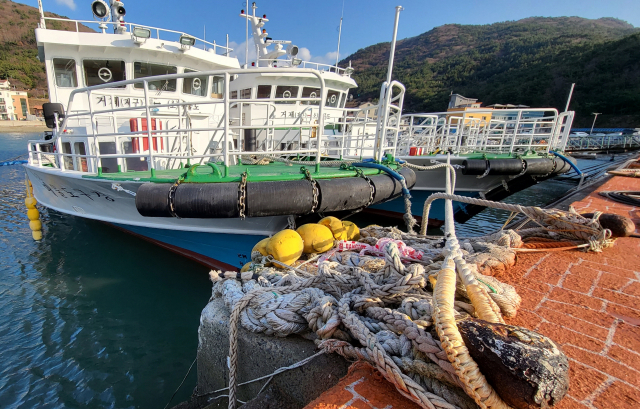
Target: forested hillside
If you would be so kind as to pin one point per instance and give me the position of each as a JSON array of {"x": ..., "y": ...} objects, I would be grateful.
[
  {"x": 18, "y": 52},
  {"x": 531, "y": 62}
]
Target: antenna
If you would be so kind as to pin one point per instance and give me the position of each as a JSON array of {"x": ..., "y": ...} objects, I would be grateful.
[
  {"x": 569, "y": 99},
  {"x": 246, "y": 44},
  {"x": 340, "y": 34}
]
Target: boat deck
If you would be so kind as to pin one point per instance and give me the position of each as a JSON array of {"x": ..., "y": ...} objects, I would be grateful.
[
  {"x": 217, "y": 173},
  {"x": 589, "y": 303}
]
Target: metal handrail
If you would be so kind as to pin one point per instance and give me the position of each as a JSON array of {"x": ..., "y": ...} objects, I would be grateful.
[
  {"x": 303, "y": 64},
  {"x": 226, "y": 50}
]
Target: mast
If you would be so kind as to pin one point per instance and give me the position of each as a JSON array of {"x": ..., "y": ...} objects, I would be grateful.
[
  {"x": 393, "y": 44},
  {"x": 246, "y": 47},
  {"x": 339, "y": 35},
  {"x": 42, "y": 23}
]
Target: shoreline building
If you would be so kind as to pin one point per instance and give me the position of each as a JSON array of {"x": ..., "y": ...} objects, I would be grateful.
[{"x": 14, "y": 105}]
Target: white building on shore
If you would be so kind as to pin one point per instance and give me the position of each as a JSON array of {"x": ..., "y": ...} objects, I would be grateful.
[{"x": 14, "y": 105}]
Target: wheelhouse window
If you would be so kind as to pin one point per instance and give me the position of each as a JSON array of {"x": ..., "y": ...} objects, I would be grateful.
[
  {"x": 65, "y": 72},
  {"x": 310, "y": 92},
  {"x": 286, "y": 91},
  {"x": 245, "y": 93},
  {"x": 333, "y": 98},
  {"x": 146, "y": 69},
  {"x": 264, "y": 91},
  {"x": 195, "y": 85},
  {"x": 217, "y": 87},
  {"x": 97, "y": 72},
  {"x": 234, "y": 94},
  {"x": 343, "y": 99}
]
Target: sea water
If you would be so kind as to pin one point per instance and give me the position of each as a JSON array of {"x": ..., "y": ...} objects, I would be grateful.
[{"x": 91, "y": 317}]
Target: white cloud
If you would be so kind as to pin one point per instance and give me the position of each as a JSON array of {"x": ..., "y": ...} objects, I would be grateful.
[
  {"x": 328, "y": 58},
  {"x": 239, "y": 51},
  {"x": 69, "y": 3},
  {"x": 304, "y": 54}
]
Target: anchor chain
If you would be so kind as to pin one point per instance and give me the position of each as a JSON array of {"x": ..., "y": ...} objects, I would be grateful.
[
  {"x": 314, "y": 187},
  {"x": 243, "y": 196}
]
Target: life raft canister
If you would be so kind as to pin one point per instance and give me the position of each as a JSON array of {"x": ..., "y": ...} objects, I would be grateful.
[
  {"x": 416, "y": 151},
  {"x": 140, "y": 124}
]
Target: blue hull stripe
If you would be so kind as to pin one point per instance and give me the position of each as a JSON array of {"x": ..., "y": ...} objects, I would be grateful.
[{"x": 216, "y": 250}]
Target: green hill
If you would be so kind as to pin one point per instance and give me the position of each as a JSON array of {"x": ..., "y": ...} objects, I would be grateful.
[
  {"x": 531, "y": 61},
  {"x": 18, "y": 52}
]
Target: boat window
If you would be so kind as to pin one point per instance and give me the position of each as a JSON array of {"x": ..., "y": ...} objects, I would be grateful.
[
  {"x": 333, "y": 98},
  {"x": 109, "y": 165},
  {"x": 343, "y": 99},
  {"x": 65, "y": 72},
  {"x": 67, "y": 161},
  {"x": 286, "y": 91},
  {"x": 245, "y": 93},
  {"x": 309, "y": 92},
  {"x": 97, "y": 72},
  {"x": 264, "y": 91},
  {"x": 80, "y": 163},
  {"x": 145, "y": 69},
  {"x": 195, "y": 85},
  {"x": 217, "y": 87},
  {"x": 234, "y": 94}
]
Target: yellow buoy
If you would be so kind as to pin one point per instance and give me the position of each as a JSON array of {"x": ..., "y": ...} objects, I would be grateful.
[
  {"x": 261, "y": 247},
  {"x": 36, "y": 234},
  {"x": 317, "y": 238},
  {"x": 33, "y": 214},
  {"x": 336, "y": 227},
  {"x": 353, "y": 232},
  {"x": 30, "y": 202},
  {"x": 285, "y": 246},
  {"x": 246, "y": 267},
  {"x": 35, "y": 225}
]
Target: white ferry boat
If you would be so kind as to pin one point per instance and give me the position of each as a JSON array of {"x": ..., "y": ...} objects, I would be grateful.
[{"x": 162, "y": 134}]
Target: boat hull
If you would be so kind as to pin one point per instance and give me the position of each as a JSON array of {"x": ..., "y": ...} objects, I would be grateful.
[{"x": 218, "y": 243}]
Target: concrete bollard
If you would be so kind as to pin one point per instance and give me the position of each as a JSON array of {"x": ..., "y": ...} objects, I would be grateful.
[{"x": 260, "y": 355}]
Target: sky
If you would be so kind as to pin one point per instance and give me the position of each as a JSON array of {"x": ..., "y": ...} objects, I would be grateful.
[{"x": 313, "y": 25}]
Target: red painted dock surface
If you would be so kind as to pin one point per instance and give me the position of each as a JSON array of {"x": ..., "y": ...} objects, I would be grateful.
[{"x": 589, "y": 303}]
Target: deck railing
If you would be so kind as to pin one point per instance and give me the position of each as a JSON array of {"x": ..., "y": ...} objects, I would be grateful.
[
  {"x": 500, "y": 131},
  {"x": 602, "y": 142},
  {"x": 206, "y": 129},
  {"x": 160, "y": 33},
  {"x": 281, "y": 63}
]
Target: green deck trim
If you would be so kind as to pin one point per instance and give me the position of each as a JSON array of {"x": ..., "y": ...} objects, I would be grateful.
[{"x": 218, "y": 173}]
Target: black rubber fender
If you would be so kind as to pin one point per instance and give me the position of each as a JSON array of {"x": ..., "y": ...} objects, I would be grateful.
[
  {"x": 539, "y": 166},
  {"x": 474, "y": 166},
  {"x": 207, "y": 200},
  {"x": 505, "y": 166},
  {"x": 343, "y": 194},
  {"x": 278, "y": 198},
  {"x": 152, "y": 199}
]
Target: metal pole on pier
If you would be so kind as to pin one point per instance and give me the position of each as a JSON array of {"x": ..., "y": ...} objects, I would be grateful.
[
  {"x": 570, "y": 95},
  {"x": 594, "y": 121},
  {"x": 393, "y": 45}
]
